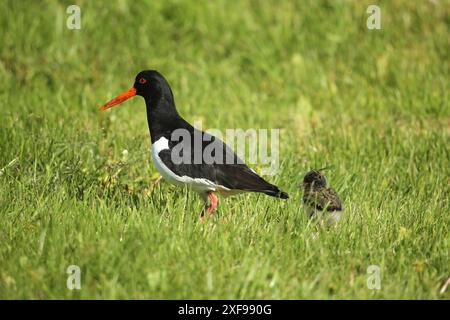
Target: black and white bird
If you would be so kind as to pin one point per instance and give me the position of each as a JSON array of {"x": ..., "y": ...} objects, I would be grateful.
[
  {"x": 226, "y": 174},
  {"x": 321, "y": 202}
]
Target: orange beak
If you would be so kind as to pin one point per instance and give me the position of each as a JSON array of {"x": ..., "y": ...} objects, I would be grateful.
[{"x": 119, "y": 99}]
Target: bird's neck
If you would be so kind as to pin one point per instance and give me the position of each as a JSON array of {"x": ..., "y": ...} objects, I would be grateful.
[{"x": 162, "y": 117}]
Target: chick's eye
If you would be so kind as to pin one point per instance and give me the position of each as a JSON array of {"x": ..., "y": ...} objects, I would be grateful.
[{"x": 142, "y": 80}]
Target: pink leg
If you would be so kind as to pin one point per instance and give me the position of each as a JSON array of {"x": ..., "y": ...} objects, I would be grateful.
[
  {"x": 214, "y": 201},
  {"x": 211, "y": 207}
]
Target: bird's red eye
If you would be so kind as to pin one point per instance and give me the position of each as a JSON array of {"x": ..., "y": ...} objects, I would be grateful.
[{"x": 142, "y": 80}]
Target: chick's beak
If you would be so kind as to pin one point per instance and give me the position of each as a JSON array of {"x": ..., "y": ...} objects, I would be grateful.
[{"x": 119, "y": 99}]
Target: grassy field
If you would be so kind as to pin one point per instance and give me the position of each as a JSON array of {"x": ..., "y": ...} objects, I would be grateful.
[{"x": 373, "y": 104}]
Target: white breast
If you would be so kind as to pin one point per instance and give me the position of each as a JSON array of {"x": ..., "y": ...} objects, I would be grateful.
[
  {"x": 197, "y": 184},
  {"x": 324, "y": 217}
]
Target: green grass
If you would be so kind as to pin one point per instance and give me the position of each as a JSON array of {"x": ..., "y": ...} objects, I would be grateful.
[{"x": 373, "y": 104}]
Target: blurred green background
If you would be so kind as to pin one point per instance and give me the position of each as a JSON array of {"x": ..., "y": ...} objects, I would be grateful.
[{"x": 374, "y": 104}]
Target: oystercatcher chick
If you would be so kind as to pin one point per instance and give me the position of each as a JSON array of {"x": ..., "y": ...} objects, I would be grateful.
[
  {"x": 186, "y": 156},
  {"x": 321, "y": 202}
]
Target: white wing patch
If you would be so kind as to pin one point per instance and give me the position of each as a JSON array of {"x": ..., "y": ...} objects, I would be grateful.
[{"x": 197, "y": 184}]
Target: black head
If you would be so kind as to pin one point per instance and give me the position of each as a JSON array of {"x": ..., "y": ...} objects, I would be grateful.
[
  {"x": 314, "y": 178},
  {"x": 149, "y": 84}
]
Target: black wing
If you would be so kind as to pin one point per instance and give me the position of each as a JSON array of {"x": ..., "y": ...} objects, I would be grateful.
[
  {"x": 323, "y": 199},
  {"x": 214, "y": 161}
]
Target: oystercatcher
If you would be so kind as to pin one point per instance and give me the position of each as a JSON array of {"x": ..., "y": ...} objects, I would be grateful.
[
  {"x": 321, "y": 202},
  {"x": 221, "y": 172}
]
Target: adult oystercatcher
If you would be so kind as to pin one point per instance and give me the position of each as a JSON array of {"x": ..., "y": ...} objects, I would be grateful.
[
  {"x": 222, "y": 172},
  {"x": 321, "y": 202}
]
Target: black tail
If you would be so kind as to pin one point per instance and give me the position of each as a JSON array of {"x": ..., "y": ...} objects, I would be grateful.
[
  {"x": 241, "y": 177},
  {"x": 283, "y": 195},
  {"x": 277, "y": 193}
]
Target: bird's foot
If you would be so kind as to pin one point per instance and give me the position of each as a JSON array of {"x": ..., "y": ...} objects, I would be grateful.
[{"x": 209, "y": 209}]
